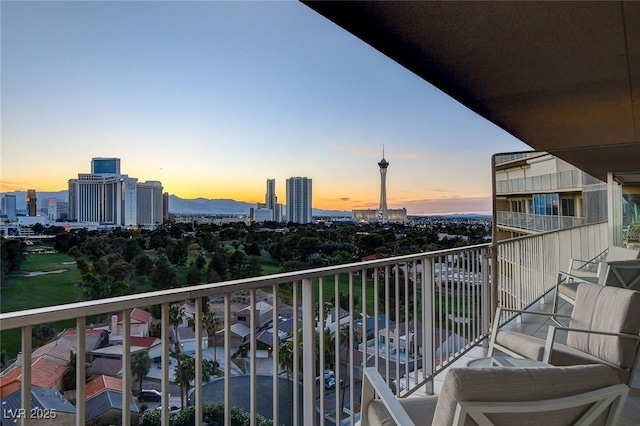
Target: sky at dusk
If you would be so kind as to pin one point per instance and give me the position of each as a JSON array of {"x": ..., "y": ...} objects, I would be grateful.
[{"x": 214, "y": 98}]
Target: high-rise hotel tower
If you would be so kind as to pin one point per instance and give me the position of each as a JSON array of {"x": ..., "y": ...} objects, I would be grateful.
[
  {"x": 107, "y": 197},
  {"x": 382, "y": 214},
  {"x": 299, "y": 200}
]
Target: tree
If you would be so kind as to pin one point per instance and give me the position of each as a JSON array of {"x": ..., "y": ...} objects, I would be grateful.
[
  {"x": 344, "y": 334},
  {"x": 185, "y": 373},
  {"x": 121, "y": 270},
  {"x": 252, "y": 249},
  {"x": 69, "y": 377},
  {"x": 210, "y": 322},
  {"x": 43, "y": 332},
  {"x": 201, "y": 261},
  {"x": 236, "y": 264},
  {"x": 176, "y": 317},
  {"x": 95, "y": 247},
  {"x": 285, "y": 352},
  {"x": 140, "y": 366},
  {"x": 143, "y": 264},
  {"x": 163, "y": 274},
  {"x": 12, "y": 254},
  {"x": 193, "y": 276},
  {"x": 217, "y": 264},
  {"x": 177, "y": 252},
  {"x": 131, "y": 250},
  {"x": 3, "y": 358}
]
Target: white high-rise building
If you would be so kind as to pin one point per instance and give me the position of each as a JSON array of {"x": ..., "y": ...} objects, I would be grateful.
[
  {"x": 108, "y": 197},
  {"x": 149, "y": 201},
  {"x": 299, "y": 200}
]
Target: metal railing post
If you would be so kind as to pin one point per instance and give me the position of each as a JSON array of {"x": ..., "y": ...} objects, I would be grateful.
[{"x": 308, "y": 343}]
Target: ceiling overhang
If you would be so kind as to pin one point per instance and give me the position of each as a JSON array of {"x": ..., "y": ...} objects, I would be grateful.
[{"x": 563, "y": 77}]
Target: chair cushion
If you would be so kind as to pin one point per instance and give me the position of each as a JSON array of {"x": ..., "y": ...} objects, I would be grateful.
[
  {"x": 562, "y": 355},
  {"x": 509, "y": 384},
  {"x": 621, "y": 253},
  {"x": 420, "y": 408},
  {"x": 609, "y": 309}
]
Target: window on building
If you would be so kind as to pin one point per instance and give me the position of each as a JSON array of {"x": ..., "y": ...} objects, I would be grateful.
[
  {"x": 546, "y": 204},
  {"x": 518, "y": 206},
  {"x": 568, "y": 207}
]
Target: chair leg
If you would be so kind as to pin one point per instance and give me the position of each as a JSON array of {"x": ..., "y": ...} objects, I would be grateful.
[
  {"x": 556, "y": 301},
  {"x": 494, "y": 331}
]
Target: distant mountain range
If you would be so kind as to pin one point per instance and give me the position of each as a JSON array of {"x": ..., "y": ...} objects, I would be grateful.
[{"x": 179, "y": 205}]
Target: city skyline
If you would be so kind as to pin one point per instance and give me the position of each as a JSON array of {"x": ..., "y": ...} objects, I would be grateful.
[{"x": 212, "y": 98}]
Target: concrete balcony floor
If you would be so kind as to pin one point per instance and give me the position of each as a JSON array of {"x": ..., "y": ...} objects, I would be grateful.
[{"x": 537, "y": 326}]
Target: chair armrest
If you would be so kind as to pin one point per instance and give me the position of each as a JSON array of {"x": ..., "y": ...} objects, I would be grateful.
[
  {"x": 551, "y": 336},
  {"x": 373, "y": 383},
  {"x": 566, "y": 276},
  {"x": 545, "y": 314}
]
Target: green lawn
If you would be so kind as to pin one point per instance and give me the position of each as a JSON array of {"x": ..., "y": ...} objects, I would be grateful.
[
  {"x": 26, "y": 292},
  {"x": 21, "y": 291}
]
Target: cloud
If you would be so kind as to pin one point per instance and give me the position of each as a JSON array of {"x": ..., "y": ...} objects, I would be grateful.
[
  {"x": 7, "y": 186},
  {"x": 481, "y": 205}
]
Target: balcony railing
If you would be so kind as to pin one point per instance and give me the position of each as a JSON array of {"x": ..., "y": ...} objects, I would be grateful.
[
  {"x": 409, "y": 316},
  {"x": 537, "y": 222},
  {"x": 565, "y": 180}
]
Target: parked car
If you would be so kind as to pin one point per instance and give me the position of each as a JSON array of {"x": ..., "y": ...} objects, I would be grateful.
[
  {"x": 328, "y": 374},
  {"x": 173, "y": 410},
  {"x": 150, "y": 395},
  {"x": 331, "y": 383}
]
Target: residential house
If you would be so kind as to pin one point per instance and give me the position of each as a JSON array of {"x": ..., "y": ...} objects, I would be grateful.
[
  {"x": 101, "y": 383},
  {"x": 137, "y": 344},
  {"x": 263, "y": 311},
  {"x": 105, "y": 407},
  {"x": 46, "y": 372},
  {"x": 340, "y": 315},
  {"x": 140, "y": 324},
  {"x": 187, "y": 338},
  {"x": 51, "y": 405},
  {"x": 238, "y": 335}
]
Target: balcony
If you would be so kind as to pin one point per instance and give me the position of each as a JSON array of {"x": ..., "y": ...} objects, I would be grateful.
[
  {"x": 411, "y": 317},
  {"x": 534, "y": 223},
  {"x": 569, "y": 180}
]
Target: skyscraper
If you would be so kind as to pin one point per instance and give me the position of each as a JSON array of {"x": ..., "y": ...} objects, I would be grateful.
[
  {"x": 299, "y": 200},
  {"x": 382, "y": 214},
  {"x": 9, "y": 207},
  {"x": 270, "y": 198},
  {"x": 32, "y": 205},
  {"x": 105, "y": 165},
  {"x": 108, "y": 197},
  {"x": 382, "y": 210},
  {"x": 149, "y": 201}
]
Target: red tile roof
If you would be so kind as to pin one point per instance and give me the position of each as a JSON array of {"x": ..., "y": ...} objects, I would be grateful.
[
  {"x": 45, "y": 372},
  {"x": 137, "y": 315},
  {"x": 145, "y": 342},
  {"x": 101, "y": 383}
]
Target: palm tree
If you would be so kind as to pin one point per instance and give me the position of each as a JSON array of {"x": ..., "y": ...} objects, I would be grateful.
[
  {"x": 186, "y": 373},
  {"x": 344, "y": 334},
  {"x": 210, "y": 322},
  {"x": 286, "y": 362},
  {"x": 176, "y": 317},
  {"x": 140, "y": 366}
]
